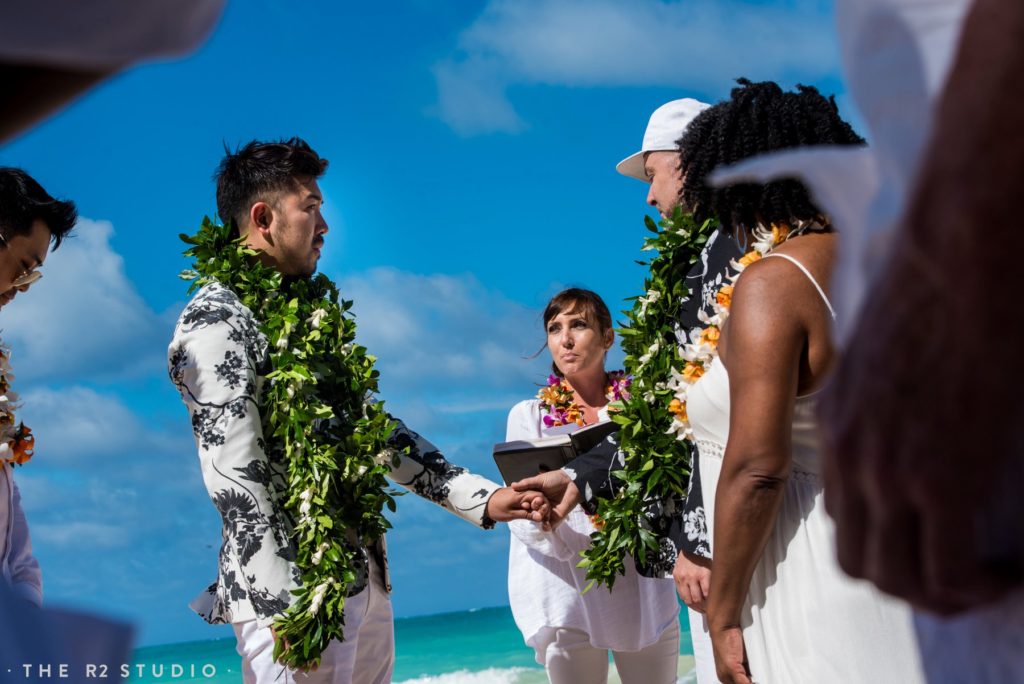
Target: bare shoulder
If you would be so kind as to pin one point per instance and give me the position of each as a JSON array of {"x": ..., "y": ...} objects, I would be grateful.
[
  {"x": 761, "y": 298},
  {"x": 772, "y": 283},
  {"x": 816, "y": 252}
]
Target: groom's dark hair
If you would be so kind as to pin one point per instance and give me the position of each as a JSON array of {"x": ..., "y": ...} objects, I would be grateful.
[
  {"x": 757, "y": 118},
  {"x": 260, "y": 171},
  {"x": 23, "y": 201}
]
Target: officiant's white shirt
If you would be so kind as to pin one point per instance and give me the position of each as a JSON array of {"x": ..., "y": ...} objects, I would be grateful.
[{"x": 545, "y": 586}]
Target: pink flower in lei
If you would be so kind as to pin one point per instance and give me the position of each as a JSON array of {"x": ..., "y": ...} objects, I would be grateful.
[{"x": 560, "y": 406}]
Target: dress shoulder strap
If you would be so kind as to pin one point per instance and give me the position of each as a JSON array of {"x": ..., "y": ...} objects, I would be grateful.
[{"x": 809, "y": 277}]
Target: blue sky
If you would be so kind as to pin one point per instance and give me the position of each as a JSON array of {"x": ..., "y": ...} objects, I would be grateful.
[{"x": 472, "y": 149}]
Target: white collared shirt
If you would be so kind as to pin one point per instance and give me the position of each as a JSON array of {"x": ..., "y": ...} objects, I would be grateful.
[{"x": 545, "y": 586}]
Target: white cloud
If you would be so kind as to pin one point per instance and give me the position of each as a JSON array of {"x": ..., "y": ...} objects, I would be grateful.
[
  {"x": 115, "y": 502},
  {"x": 443, "y": 334},
  {"x": 75, "y": 424},
  {"x": 84, "y": 318},
  {"x": 453, "y": 356},
  {"x": 72, "y": 534},
  {"x": 698, "y": 45}
]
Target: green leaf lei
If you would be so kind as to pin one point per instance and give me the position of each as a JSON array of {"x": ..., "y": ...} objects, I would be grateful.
[
  {"x": 657, "y": 464},
  {"x": 319, "y": 409}
]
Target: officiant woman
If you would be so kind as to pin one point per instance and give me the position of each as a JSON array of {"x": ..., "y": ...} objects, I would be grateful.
[{"x": 572, "y": 632}]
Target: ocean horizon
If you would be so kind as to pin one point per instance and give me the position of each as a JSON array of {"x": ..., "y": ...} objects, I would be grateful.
[{"x": 479, "y": 646}]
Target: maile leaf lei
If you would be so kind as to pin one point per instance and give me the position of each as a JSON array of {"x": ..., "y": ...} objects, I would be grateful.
[
  {"x": 657, "y": 464},
  {"x": 319, "y": 408}
]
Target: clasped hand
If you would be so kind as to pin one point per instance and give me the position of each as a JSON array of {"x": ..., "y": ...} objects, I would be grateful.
[
  {"x": 559, "y": 492},
  {"x": 508, "y": 504},
  {"x": 546, "y": 498}
]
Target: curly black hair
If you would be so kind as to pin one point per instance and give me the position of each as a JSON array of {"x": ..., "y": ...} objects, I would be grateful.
[{"x": 757, "y": 118}]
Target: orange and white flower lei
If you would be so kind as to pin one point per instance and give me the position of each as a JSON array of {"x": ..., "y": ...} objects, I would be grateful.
[
  {"x": 16, "y": 440},
  {"x": 702, "y": 347}
]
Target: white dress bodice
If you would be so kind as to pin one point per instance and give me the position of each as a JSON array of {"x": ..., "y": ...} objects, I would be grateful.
[{"x": 708, "y": 408}]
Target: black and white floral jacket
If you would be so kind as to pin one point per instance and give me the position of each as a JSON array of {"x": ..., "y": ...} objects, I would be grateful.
[
  {"x": 679, "y": 523},
  {"x": 219, "y": 359}
]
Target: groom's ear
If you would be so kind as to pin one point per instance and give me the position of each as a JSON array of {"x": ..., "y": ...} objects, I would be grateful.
[{"x": 261, "y": 215}]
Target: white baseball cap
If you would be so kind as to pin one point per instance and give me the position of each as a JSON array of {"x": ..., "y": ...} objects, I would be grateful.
[{"x": 666, "y": 127}]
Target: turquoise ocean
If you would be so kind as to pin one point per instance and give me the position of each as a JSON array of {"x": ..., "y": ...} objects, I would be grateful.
[{"x": 473, "y": 647}]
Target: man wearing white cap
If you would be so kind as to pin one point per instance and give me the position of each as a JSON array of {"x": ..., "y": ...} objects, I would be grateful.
[
  {"x": 683, "y": 537},
  {"x": 657, "y": 163}
]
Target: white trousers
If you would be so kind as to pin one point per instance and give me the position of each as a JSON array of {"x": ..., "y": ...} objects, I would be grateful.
[
  {"x": 570, "y": 659},
  {"x": 366, "y": 656},
  {"x": 703, "y": 652}
]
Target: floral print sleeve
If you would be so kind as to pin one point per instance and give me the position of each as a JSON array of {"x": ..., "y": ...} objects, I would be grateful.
[
  {"x": 217, "y": 361},
  {"x": 424, "y": 471},
  {"x": 592, "y": 473},
  {"x": 690, "y": 533}
]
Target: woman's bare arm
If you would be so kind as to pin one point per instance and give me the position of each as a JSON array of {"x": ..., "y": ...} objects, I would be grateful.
[{"x": 765, "y": 339}]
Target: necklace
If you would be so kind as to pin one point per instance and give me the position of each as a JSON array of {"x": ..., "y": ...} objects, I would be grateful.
[
  {"x": 558, "y": 399},
  {"x": 16, "y": 439}
]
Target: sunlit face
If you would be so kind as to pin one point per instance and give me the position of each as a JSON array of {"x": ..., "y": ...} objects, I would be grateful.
[
  {"x": 20, "y": 257},
  {"x": 666, "y": 181},
  {"x": 296, "y": 230},
  {"x": 576, "y": 344}
]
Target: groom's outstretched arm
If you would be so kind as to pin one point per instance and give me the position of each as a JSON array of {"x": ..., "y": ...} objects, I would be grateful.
[{"x": 423, "y": 470}]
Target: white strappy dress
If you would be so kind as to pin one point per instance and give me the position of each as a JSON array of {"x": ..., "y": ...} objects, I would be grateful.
[{"x": 804, "y": 620}]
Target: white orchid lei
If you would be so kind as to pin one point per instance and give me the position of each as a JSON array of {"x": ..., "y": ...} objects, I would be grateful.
[
  {"x": 16, "y": 439},
  {"x": 318, "y": 408}
]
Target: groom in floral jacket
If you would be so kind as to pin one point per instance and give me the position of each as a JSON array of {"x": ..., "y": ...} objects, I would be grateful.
[{"x": 219, "y": 360}]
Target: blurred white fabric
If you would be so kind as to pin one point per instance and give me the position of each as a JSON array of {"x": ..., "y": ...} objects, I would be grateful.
[
  {"x": 896, "y": 57},
  {"x": 102, "y": 34}
]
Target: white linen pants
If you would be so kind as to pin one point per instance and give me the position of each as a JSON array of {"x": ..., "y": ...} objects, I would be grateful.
[
  {"x": 570, "y": 659},
  {"x": 366, "y": 656}
]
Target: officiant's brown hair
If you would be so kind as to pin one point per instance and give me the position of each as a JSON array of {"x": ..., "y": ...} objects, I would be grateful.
[{"x": 574, "y": 299}]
